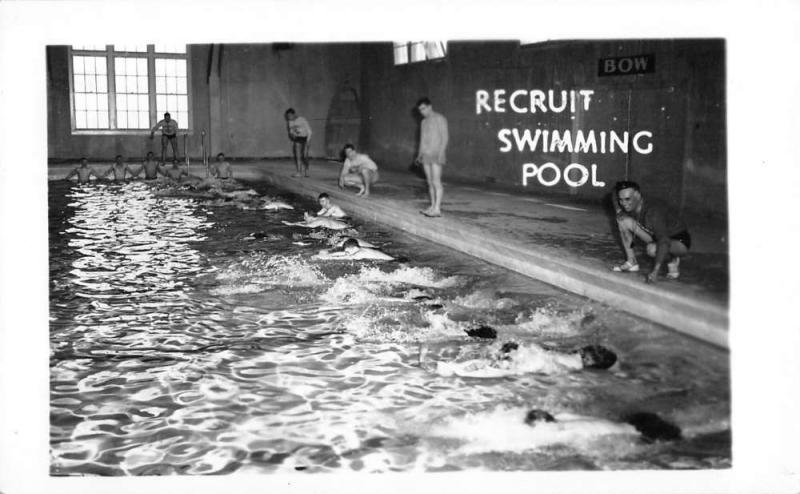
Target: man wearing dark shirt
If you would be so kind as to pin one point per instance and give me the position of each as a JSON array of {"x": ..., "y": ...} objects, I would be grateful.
[{"x": 654, "y": 223}]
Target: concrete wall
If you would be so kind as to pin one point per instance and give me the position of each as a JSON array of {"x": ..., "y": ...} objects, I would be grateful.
[
  {"x": 238, "y": 93},
  {"x": 682, "y": 103}
]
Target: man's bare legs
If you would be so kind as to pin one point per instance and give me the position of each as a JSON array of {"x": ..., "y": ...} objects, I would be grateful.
[{"x": 433, "y": 174}]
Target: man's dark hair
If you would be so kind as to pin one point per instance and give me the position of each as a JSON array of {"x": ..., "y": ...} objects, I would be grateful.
[
  {"x": 348, "y": 146},
  {"x": 350, "y": 242},
  {"x": 290, "y": 110},
  {"x": 221, "y": 154},
  {"x": 626, "y": 184},
  {"x": 424, "y": 101},
  {"x": 84, "y": 158},
  {"x": 118, "y": 156},
  {"x": 167, "y": 114},
  {"x": 323, "y": 196},
  {"x": 538, "y": 415},
  {"x": 597, "y": 357}
]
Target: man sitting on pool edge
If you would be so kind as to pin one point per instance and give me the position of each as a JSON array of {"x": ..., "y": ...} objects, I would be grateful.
[
  {"x": 358, "y": 170},
  {"x": 654, "y": 223},
  {"x": 351, "y": 250}
]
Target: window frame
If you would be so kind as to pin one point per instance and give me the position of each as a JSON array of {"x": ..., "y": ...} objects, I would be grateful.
[
  {"x": 409, "y": 59},
  {"x": 150, "y": 55}
]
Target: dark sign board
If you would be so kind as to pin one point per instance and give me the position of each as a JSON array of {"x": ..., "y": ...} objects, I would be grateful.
[{"x": 633, "y": 64}]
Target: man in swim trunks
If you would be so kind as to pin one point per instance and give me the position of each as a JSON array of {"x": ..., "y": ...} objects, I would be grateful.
[
  {"x": 358, "y": 170},
  {"x": 175, "y": 172},
  {"x": 654, "y": 223},
  {"x": 221, "y": 169},
  {"x": 169, "y": 133},
  {"x": 83, "y": 172},
  {"x": 118, "y": 170},
  {"x": 300, "y": 135},
  {"x": 432, "y": 146},
  {"x": 150, "y": 167}
]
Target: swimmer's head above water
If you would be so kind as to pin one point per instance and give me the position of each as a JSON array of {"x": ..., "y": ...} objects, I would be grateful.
[
  {"x": 597, "y": 357},
  {"x": 221, "y": 157},
  {"x": 350, "y": 245},
  {"x": 84, "y": 162}
]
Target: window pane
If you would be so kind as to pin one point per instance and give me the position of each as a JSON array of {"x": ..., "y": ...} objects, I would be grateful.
[
  {"x": 142, "y": 84},
  {"x": 122, "y": 120},
  {"x": 121, "y": 86},
  {"x": 130, "y": 66},
  {"x": 102, "y": 102},
  {"x": 417, "y": 51},
  {"x": 180, "y": 68},
  {"x": 100, "y": 65},
  {"x": 160, "y": 66},
  {"x": 171, "y": 87},
  {"x": 161, "y": 85},
  {"x": 102, "y": 84},
  {"x": 165, "y": 48},
  {"x": 131, "y": 83},
  {"x": 144, "y": 120},
  {"x": 102, "y": 120},
  {"x": 183, "y": 119},
  {"x": 144, "y": 102},
  {"x": 91, "y": 119},
  {"x": 434, "y": 49},
  {"x": 133, "y": 102},
  {"x": 172, "y": 103},
  {"x": 80, "y": 119},
  {"x": 182, "y": 103},
  {"x": 122, "y": 102},
  {"x": 80, "y": 101},
  {"x": 80, "y": 84},
  {"x": 181, "y": 85},
  {"x": 91, "y": 87},
  {"x": 77, "y": 65},
  {"x": 133, "y": 120},
  {"x": 91, "y": 102},
  {"x": 170, "y": 66},
  {"x": 88, "y": 65},
  {"x": 141, "y": 66},
  {"x": 161, "y": 104}
]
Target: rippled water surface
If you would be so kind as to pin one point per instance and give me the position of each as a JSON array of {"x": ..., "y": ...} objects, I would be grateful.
[{"x": 181, "y": 344}]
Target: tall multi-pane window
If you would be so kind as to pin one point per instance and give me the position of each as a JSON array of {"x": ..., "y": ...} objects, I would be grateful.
[
  {"x": 417, "y": 51},
  {"x": 128, "y": 87}
]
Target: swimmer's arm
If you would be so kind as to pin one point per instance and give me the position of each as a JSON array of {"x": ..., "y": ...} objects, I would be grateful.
[
  {"x": 72, "y": 174},
  {"x": 156, "y": 127}
]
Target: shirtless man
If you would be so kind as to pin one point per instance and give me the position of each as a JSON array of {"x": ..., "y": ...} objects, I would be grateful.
[
  {"x": 175, "y": 172},
  {"x": 221, "y": 169},
  {"x": 119, "y": 169},
  {"x": 351, "y": 250},
  {"x": 432, "y": 153},
  {"x": 169, "y": 133},
  {"x": 329, "y": 209},
  {"x": 150, "y": 167},
  {"x": 319, "y": 222},
  {"x": 300, "y": 134},
  {"x": 83, "y": 172},
  {"x": 358, "y": 170}
]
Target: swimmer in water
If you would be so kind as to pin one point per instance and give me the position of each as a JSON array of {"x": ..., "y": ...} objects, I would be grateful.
[
  {"x": 150, "y": 167},
  {"x": 650, "y": 426},
  {"x": 83, "y": 172},
  {"x": 319, "y": 222},
  {"x": 119, "y": 170},
  {"x": 221, "y": 169},
  {"x": 351, "y": 250},
  {"x": 513, "y": 359},
  {"x": 175, "y": 172},
  {"x": 329, "y": 209}
]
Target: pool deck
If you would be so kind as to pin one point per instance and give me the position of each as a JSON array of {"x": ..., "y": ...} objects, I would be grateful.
[{"x": 557, "y": 240}]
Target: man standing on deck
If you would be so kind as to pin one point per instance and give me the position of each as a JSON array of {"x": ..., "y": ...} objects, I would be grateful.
[
  {"x": 169, "y": 133},
  {"x": 432, "y": 146},
  {"x": 83, "y": 172},
  {"x": 300, "y": 135},
  {"x": 654, "y": 223}
]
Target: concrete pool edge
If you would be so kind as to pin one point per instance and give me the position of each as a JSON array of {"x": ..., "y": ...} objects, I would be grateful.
[
  {"x": 688, "y": 315},
  {"x": 684, "y": 313}
]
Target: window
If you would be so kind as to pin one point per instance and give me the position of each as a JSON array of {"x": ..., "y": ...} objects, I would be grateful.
[
  {"x": 418, "y": 51},
  {"x": 128, "y": 88}
]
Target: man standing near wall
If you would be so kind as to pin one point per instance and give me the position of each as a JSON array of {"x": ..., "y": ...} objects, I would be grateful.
[
  {"x": 300, "y": 135},
  {"x": 432, "y": 145},
  {"x": 169, "y": 133},
  {"x": 654, "y": 223}
]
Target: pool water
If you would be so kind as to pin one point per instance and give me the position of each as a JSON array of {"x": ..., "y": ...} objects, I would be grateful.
[{"x": 181, "y": 344}]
